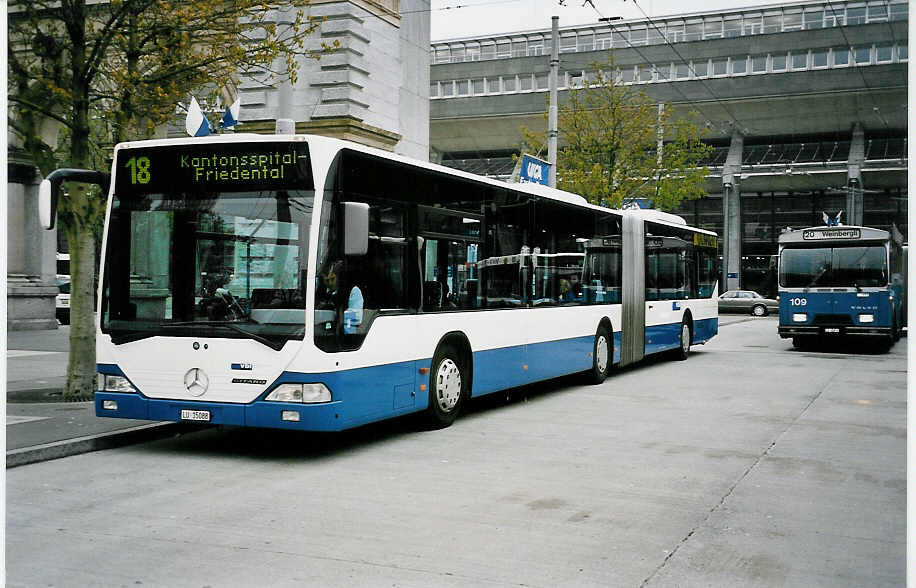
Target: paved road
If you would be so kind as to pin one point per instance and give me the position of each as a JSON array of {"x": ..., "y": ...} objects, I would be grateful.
[{"x": 750, "y": 464}]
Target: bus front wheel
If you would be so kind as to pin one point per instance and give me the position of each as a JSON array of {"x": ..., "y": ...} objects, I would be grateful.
[
  {"x": 801, "y": 343},
  {"x": 602, "y": 356},
  {"x": 447, "y": 387}
]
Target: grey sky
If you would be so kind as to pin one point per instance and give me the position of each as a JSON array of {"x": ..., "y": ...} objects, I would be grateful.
[{"x": 465, "y": 18}]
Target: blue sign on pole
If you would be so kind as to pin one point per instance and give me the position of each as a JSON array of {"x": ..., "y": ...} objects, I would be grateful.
[{"x": 534, "y": 171}]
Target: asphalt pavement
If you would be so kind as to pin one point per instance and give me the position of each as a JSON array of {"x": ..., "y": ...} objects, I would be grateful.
[{"x": 39, "y": 424}]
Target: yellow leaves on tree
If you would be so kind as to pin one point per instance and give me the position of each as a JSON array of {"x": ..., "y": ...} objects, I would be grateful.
[{"x": 609, "y": 136}]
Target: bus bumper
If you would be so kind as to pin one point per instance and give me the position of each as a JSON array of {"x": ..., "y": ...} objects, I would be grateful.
[
  {"x": 833, "y": 331},
  {"x": 276, "y": 415}
]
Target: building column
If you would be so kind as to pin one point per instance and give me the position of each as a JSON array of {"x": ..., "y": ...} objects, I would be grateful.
[
  {"x": 731, "y": 215},
  {"x": 855, "y": 196},
  {"x": 31, "y": 255}
]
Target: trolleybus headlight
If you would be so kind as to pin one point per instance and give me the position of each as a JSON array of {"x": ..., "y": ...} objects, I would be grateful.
[
  {"x": 109, "y": 383},
  {"x": 800, "y": 317},
  {"x": 866, "y": 318},
  {"x": 301, "y": 393}
]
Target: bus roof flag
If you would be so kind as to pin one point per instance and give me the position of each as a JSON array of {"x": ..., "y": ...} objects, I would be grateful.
[
  {"x": 231, "y": 116},
  {"x": 196, "y": 124}
]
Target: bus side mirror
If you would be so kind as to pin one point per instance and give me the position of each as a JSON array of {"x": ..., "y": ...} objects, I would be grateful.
[
  {"x": 356, "y": 228},
  {"x": 47, "y": 203},
  {"x": 50, "y": 188}
]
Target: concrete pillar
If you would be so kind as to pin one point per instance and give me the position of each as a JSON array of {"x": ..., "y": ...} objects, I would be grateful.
[
  {"x": 31, "y": 254},
  {"x": 855, "y": 198},
  {"x": 731, "y": 215}
]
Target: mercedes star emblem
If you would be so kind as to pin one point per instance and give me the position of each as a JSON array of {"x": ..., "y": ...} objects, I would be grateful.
[{"x": 196, "y": 381}]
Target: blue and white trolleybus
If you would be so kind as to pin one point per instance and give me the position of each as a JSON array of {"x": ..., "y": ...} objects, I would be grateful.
[
  {"x": 841, "y": 281},
  {"x": 309, "y": 283}
]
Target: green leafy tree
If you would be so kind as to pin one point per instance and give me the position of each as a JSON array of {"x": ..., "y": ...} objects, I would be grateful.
[
  {"x": 609, "y": 135},
  {"x": 83, "y": 76}
]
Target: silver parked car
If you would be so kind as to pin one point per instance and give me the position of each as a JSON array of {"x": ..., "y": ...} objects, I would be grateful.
[{"x": 747, "y": 301}]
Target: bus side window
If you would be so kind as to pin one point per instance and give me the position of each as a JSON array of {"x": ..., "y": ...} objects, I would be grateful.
[
  {"x": 706, "y": 273},
  {"x": 651, "y": 276}
]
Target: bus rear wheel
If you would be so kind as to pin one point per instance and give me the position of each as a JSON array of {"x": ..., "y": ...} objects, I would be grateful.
[
  {"x": 447, "y": 387},
  {"x": 602, "y": 356},
  {"x": 683, "y": 351}
]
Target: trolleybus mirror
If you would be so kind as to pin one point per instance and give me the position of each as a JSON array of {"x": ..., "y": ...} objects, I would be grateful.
[
  {"x": 356, "y": 228},
  {"x": 50, "y": 188},
  {"x": 47, "y": 203}
]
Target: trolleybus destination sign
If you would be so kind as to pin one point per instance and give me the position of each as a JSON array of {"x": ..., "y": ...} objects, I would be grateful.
[
  {"x": 826, "y": 234},
  {"x": 213, "y": 166}
]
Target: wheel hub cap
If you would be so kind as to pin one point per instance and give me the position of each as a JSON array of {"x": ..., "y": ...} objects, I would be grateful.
[
  {"x": 602, "y": 354},
  {"x": 448, "y": 385}
]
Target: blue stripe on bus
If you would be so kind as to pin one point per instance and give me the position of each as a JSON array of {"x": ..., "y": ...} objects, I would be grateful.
[
  {"x": 368, "y": 394},
  {"x": 705, "y": 329},
  {"x": 836, "y": 304},
  {"x": 661, "y": 338}
]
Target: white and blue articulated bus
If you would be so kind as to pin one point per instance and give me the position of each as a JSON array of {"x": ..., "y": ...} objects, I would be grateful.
[
  {"x": 308, "y": 283},
  {"x": 841, "y": 281}
]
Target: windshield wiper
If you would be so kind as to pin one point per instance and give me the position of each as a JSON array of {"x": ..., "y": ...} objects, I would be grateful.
[{"x": 232, "y": 326}]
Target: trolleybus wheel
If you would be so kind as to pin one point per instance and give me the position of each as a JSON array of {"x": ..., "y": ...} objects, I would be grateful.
[
  {"x": 759, "y": 310},
  {"x": 602, "y": 356},
  {"x": 683, "y": 352},
  {"x": 447, "y": 386},
  {"x": 800, "y": 343}
]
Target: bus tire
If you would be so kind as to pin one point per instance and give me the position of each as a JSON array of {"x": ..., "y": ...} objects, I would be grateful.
[
  {"x": 801, "y": 342},
  {"x": 683, "y": 350},
  {"x": 759, "y": 310},
  {"x": 602, "y": 356},
  {"x": 448, "y": 384}
]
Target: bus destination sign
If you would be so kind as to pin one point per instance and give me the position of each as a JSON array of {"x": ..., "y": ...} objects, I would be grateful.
[
  {"x": 213, "y": 167},
  {"x": 704, "y": 240},
  {"x": 829, "y": 234}
]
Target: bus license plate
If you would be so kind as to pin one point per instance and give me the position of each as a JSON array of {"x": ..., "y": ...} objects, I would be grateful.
[
  {"x": 832, "y": 331},
  {"x": 195, "y": 415}
]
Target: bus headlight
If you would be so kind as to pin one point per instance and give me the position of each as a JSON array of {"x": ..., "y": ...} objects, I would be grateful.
[
  {"x": 300, "y": 393},
  {"x": 866, "y": 318},
  {"x": 800, "y": 317},
  {"x": 109, "y": 383}
]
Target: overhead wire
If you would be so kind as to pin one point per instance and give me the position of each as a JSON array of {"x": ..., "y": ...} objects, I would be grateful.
[
  {"x": 852, "y": 59},
  {"x": 735, "y": 122},
  {"x": 742, "y": 128}
]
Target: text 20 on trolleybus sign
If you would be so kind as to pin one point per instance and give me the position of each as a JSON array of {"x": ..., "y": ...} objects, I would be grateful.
[{"x": 828, "y": 234}]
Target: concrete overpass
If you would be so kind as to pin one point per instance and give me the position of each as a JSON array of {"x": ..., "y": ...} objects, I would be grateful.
[{"x": 804, "y": 103}]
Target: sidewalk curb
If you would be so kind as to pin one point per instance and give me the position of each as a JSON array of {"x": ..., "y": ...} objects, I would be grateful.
[{"x": 68, "y": 447}]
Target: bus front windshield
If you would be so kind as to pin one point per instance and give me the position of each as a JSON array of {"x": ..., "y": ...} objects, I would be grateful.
[
  {"x": 191, "y": 260},
  {"x": 834, "y": 267}
]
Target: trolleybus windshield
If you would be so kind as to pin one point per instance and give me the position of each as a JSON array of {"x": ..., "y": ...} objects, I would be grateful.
[
  {"x": 209, "y": 240},
  {"x": 832, "y": 267}
]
